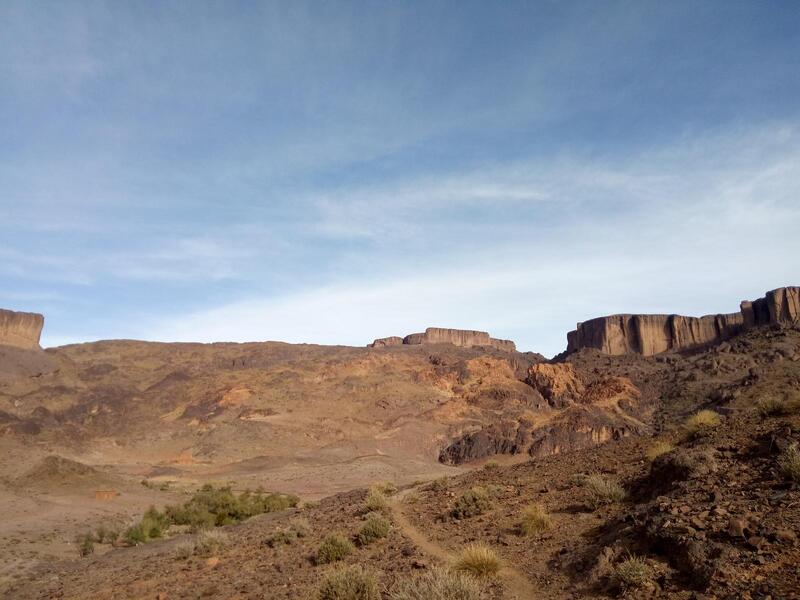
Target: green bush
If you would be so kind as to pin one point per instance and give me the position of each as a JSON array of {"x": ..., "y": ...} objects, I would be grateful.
[
  {"x": 474, "y": 501},
  {"x": 334, "y": 547},
  {"x": 281, "y": 537},
  {"x": 375, "y": 528},
  {"x": 349, "y": 583}
]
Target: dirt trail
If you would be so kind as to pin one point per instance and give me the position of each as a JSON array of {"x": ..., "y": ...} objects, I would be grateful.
[{"x": 515, "y": 583}]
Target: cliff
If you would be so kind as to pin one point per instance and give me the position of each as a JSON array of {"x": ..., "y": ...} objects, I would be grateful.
[
  {"x": 437, "y": 335},
  {"x": 20, "y": 329},
  {"x": 653, "y": 334}
]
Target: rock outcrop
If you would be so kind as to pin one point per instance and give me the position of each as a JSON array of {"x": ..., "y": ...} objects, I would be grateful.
[
  {"x": 20, "y": 329},
  {"x": 437, "y": 335},
  {"x": 653, "y": 334}
]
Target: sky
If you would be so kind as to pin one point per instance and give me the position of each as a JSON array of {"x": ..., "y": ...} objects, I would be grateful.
[{"x": 333, "y": 172}]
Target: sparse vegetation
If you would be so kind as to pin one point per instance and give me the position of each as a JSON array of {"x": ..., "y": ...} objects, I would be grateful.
[
  {"x": 601, "y": 490},
  {"x": 491, "y": 465},
  {"x": 632, "y": 573},
  {"x": 285, "y": 536},
  {"x": 437, "y": 584},
  {"x": 334, "y": 547},
  {"x": 701, "y": 422},
  {"x": 439, "y": 485},
  {"x": 184, "y": 549},
  {"x": 478, "y": 560},
  {"x": 790, "y": 463},
  {"x": 657, "y": 449},
  {"x": 535, "y": 520},
  {"x": 375, "y": 528},
  {"x": 351, "y": 582},
  {"x": 474, "y": 501}
]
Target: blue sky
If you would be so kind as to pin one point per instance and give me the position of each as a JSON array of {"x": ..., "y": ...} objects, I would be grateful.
[{"x": 333, "y": 172}]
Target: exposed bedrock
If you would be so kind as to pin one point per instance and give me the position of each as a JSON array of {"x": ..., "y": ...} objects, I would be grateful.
[
  {"x": 653, "y": 334},
  {"x": 437, "y": 335},
  {"x": 20, "y": 329}
]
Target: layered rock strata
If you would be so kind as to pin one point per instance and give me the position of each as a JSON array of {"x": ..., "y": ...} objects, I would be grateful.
[
  {"x": 437, "y": 335},
  {"x": 20, "y": 329},
  {"x": 653, "y": 334}
]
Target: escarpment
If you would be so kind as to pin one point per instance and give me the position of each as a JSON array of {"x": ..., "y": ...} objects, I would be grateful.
[
  {"x": 436, "y": 335},
  {"x": 652, "y": 334},
  {"x": 20, "y": 329}
]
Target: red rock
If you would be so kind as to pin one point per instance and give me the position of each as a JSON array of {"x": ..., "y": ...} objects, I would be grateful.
[{"x": 20, "y": 329}]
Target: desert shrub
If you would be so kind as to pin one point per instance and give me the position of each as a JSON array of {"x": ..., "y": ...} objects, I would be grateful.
[
  {"x": 535, "y": 520},
  {"x": 334, "y": 547},
  {"x": 701, "y": 422},
  {"x": 349, "y": 583},
  {"x": 474, "y": 501},
  {"x": 437, "y": 584},
  {"x": 211, "y": 506},
  {"x": 209, "y": 542},
  {"x": 184, "y": 549},
  {"x": 85, "y": 544},
  {"x": 493, "y": 490},
  {"x": 375, "y": 502},
  {"x": 300, "y": 526},
  {"x": 375, "y": 528},
  {"x": 310, "y": 505},
  {"x": 790, "y": 463},
  {"x": 439, "y": 485},
  {"x": 154, "y": 523},
  {"x": 601, "y": 490},
  {"x": 478, "y": 560},
  {"x": 491, "y": 465},
  {"x": 632, "y": 573},
  {"x": 657, "y": 449},
  {"x": 280, "y": 537},
  {"x": 135, "y": 535}
]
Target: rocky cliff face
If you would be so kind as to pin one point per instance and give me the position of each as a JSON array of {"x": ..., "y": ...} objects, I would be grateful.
[
  {"x": 653, "y": 334},
  {"x": 437, "y": 335},
  {"x": 20, "y": 329}
]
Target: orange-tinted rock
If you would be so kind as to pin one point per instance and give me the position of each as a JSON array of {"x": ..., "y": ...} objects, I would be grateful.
[
  {"x": 558, "y": 383},
  {"x": 20, "y": 329},
  {"x": 653, "y": 334},
  {"x": 437, "y": 335}
]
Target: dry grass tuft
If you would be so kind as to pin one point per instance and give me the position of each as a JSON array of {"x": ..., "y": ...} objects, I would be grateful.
[
  {"x": 478, "y": 560},
  {"x": 701, "y": 422},
  {"x": 375, "y": 528},
  {"x": 790, "y": 463},
  {"x": 351, "y": 582},
  {"x": 209, "y": 542},
  {"x": 657, "y": 449},
  {"x": 375, "y": 501},
  {"x": 632, "y": 573},
  {"x": 437, "y": 584},
  {"x": 535, "y": 520},
  {"x": 601, "y": 490}
]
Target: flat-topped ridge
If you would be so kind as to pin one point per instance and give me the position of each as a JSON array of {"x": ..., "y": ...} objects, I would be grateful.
[
  {"x": 653, "y": 334},
  {"x": 438, "y": 335},
  {"x": 20, "y": 329}
]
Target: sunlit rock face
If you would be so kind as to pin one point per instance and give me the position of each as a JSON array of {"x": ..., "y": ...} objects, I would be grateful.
[
  {"x": 437, "y": 335},
  {"x": 20, "y": 329},
  {"x": 653, "y": 334}
]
